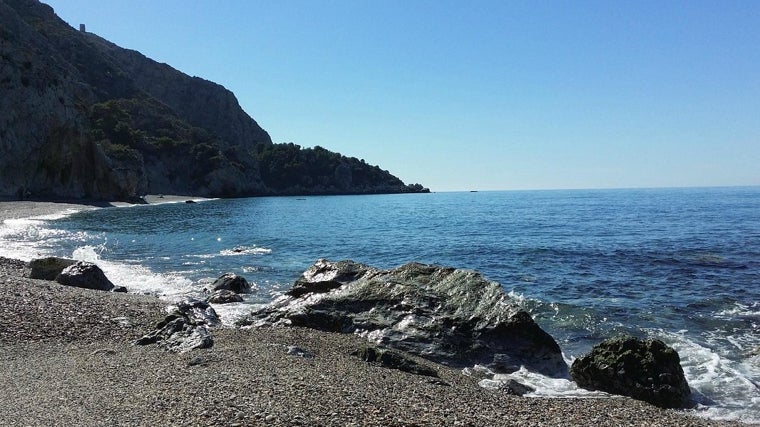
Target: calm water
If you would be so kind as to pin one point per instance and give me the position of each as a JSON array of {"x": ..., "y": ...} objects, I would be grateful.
[{"x": 682, "y": 265}]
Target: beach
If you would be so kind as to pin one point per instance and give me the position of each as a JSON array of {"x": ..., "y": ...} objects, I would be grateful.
[{"x": 66, "y": 358}]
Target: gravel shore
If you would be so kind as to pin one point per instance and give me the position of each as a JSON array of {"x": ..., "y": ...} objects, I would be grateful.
[{"x": 66, "y": 359}]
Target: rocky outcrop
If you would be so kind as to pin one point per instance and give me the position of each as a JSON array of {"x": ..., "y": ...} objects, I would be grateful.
[
  {"x": 87, "y": 275},
  {"x": 644, "y": 370},
  {"x": 83, "y": 118},
  {"x": 448, "y": 315},
  {"x": 44, "y": 131},
  {"x": 185, "y": 328}
]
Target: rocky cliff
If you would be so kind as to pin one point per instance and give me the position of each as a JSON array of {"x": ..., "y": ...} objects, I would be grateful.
[{"x": 83, "y": 118}]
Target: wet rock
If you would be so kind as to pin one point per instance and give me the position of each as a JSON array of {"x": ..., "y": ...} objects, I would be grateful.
[
  {"x": 479, "y": 372},
  {"x": 448, "y": 315},
  {"x": 644, "y": 370},
  {"x": 393, "y": 360},
  {"x": 185, "y": 328},
  {"x": 300, "y": 352},
  {"x": 48, "y": 268},
  {"x": 196, "y": 311},
  {"x": 224, "y": 296},
  {"x": 85, "y": 275},
  {"x": 231, "y": 282},
  {"x": 507, "y": 386}
]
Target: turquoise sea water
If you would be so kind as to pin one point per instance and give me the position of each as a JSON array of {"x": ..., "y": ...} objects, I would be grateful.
[{"x": 682, "y": 265}]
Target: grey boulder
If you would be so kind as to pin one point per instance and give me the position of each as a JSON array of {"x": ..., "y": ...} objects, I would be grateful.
[
  {"x": 185, "y": 328},
  {"x": 448, "y": 315}
]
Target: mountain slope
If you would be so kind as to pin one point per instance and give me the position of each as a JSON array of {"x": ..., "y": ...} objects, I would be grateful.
[{"x": 83, "y": 118}]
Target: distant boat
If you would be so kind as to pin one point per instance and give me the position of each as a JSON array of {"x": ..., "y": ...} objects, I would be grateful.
[{"x": 473, "y": 191}]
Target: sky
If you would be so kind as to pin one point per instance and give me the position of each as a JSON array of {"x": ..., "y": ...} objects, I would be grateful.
[{"x": 478, "y": 95}]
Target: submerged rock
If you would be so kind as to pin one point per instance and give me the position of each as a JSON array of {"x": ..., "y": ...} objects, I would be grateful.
[
  {"x": 231, "y": 282},
  {"x": 185, "y": 328},
  {"x": 49, "y": 268},
  {"x": 448, "y": 315},
  {"x": 86, "y": 275},
  {"x": 644, "y": 370}
]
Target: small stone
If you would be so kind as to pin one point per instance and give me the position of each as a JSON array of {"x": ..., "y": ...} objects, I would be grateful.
[{"x": 297, "y": 351}]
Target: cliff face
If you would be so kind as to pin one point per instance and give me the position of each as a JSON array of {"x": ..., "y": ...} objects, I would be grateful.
[{"x": 83, "y": 118}]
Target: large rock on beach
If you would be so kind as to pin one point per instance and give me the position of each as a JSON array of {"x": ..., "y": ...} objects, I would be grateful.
[
  {"x": 448, "y": 315},
  {"x": 49, "y": 268},
  {"x": 644, "y": 370},
  {"x": 231, "y": 282},
  {"x": 185, "y": 328},
  {"x": 86, "y": 275}
]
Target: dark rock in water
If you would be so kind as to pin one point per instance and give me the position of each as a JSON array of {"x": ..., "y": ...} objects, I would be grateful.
[
  {"x": 224, "y": 296},
  {"x": 49, "y": 268},
  {"x": 185, "y": 328},
  {"x": 644, "y": 370},
  {"x": 231, "y": 282},
  {"x": 394, "y": 360},
  {"x": 189, "y": 201},
  {"x": 85, "y": 275},
  {"x": 448, "y": 315}
]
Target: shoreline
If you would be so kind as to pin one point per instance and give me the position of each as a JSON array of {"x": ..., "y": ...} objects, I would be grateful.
[
  {"x": 66, "y": 358},
  {"x": 26, "y": 209}
]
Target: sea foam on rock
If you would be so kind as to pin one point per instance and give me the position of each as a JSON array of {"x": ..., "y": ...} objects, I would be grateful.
[
  {"x": 447, "y": 315},
  {"x": 644, "y": 370},
  {"x": 86, "y": 275}
]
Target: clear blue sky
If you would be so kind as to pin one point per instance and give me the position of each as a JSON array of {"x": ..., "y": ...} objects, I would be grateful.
[{"x": 482, "y": 95}]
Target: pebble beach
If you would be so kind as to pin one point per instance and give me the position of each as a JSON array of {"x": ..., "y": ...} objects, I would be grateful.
[{"x": 66, "y": 358}]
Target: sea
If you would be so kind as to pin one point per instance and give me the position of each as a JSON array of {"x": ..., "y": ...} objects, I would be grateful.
[{"x": 679, "y": 265}]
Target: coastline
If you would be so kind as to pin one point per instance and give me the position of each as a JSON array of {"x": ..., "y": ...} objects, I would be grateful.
[
  {"x": 66, "y": 358},
  {"x": 22, "y": 209}
]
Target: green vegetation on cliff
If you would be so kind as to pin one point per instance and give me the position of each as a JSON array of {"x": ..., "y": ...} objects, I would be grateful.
[{"x": 83, "y": 118}]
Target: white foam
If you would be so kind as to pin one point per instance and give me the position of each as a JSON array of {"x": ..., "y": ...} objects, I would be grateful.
[
  {"x": 137, "y": 278},
  {"x": 230, "y": 313},
  {"x": 21, "y": 238},
  {"x": 741, "y": 310},
  {"x": 245, "y": 250},
  {"x": 726, "y": 389},
  {"x": 542, "y": 385}
]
